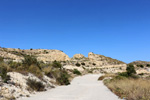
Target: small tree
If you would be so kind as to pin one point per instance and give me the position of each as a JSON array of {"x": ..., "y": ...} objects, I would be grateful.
[{"x": 130, "y": 70}]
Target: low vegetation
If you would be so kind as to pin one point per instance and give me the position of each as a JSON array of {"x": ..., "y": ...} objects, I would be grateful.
[
  {"x": 77, "y": 64},
  {"x": 61, "y": 76},
  {"x": 131, "y": 89},
  {"x": 31, "y": 65},
  {"x": 35, "y": 85},
  {"x": 128, "y": 85},
  {"x": 75, "y": 71},
  {"x": 3, "y": 73}
]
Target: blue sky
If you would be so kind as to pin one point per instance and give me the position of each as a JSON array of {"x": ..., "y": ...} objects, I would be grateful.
[{"x": 116, "y": 28}]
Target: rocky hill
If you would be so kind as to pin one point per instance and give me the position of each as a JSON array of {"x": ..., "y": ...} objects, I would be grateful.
[
  {"x": 41, "y": 54},
  {"x": 142, "y": 67},
  {"x": 140, "y": 62},
  {"x": 20, "y": 69},
  {"x": 46, "y": 55}
]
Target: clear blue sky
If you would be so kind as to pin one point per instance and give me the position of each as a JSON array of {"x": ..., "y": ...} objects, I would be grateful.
[{"x": 116, "y": 28}]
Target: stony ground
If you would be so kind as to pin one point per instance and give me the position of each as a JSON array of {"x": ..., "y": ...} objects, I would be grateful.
[{"x": 82, "y": 88}]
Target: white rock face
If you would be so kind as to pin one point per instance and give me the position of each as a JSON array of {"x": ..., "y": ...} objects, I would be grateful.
[
  {"x": 93, "y": 56},
  {"x": 10, "y": 55},
  {"x": 19, "y": 85},
  {"x": 53, "y": 55},
  {"x": 70, "y": 67},
  {"x": 142, "y": 70},
  {"x": 44, "y": 55}
]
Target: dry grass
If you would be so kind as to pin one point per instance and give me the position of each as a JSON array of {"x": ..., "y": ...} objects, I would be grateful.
[{"x": 130, "y": 89}]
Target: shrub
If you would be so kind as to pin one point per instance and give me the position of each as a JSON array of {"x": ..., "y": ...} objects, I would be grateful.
[
  {"x": 35, "y": 70},
  {"x": 48, "y": 71},
  {"x": 14, "y": 65},
  {"x": 125, "y": 74},
  {"x": 63, "y": 78},
  {"x": 75, "y": 71},
  {"x": 3, "y": 74},
  {"x": 77, "y": 64},
  {"x": 130, "y": 70},
  {"x": 90, "y": 71},
  {"x": 45, "y": 52},
  {"x": 1, "y": 59},
  {"x": 30, "y": 60},
  {"x": 148, "y": 65},
  {"x": 94, "y": 64},
  {"x": 83, "y": 63},
  {"x": 56, "y": 64},
  {"x": 118, "y": 78},
  {"x": 140, "y": 66},
  {"x": 35, "y": 85}
]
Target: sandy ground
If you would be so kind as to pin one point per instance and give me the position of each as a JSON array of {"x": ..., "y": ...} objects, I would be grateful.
[{"x": 82, "y": 88}]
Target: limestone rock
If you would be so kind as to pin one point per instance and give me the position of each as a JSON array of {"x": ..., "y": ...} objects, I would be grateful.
[
  {"x": 17, "y": 86},
  {"x": 44, "y": 55},
  {"x": 103, "y": 60},
  {"x": 78, "y": 56},
  {"x": 53, "y": 55},
  {"x": 71, "y": 67}
]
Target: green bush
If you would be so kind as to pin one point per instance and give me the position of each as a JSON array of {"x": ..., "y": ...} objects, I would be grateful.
[
  {"x": 75, "y": 71},
  {"x": 119, "y": 78},
  {"x": 90, "y": 71},
  {"x": 45, "y": 52},
  {"x": 3, "y": 74},
  {"x": 83, "y": 63},
  {"x": 1, "y": 59},
  {"x": 130, "y": 70},
  {"x": 56, "y": 64},
  {"x": 63, "y": 78},
  {"x": 48, "y": 71},
  {"x": 94, "y": 64},
  {"x": 140, "y": 66},
  {"x": 35, "y": 85},
  {"x": 148, "y": 65},
  {"x": 30, "y": 60},
  {"x": 77, "y": 64},
  {"x": 125, "y": 74},
  {"x": 14, "y": 65},
  {"x": 35, "y": 70}
]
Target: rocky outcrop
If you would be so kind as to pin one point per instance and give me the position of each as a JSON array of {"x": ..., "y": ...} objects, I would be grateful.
[
  {"x": 78, "y": 56},
  {"x": 103, "y": 60},
  {"x": 139, "y": 63},
  {"x": 7, "y": 55},
  {"x": 52, "y": 55},
  {"x": 70, "y": 67},
  {"x": 44, "y": 55},
  {"x": 18, "y": 87}
]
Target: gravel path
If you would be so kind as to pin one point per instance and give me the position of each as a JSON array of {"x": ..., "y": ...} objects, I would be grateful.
[{"x": 82, "y": 88}]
